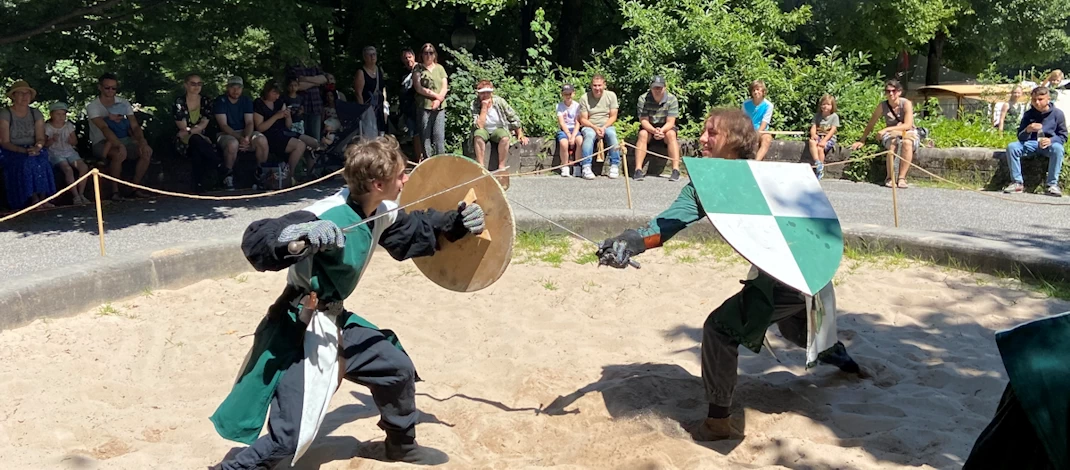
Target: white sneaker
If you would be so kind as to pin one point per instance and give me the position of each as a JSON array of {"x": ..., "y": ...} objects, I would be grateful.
[
  {"x": 587, "y": 173},
  {"x": 566, "y": 171},
  {"x": 614, "y": 172}
]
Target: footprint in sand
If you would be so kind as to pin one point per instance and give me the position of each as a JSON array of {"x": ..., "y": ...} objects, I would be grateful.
[{"x": 871, "y": 409}]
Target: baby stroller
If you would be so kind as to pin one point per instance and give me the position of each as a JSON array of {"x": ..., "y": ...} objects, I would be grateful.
[{"x": 332, "y": 157}]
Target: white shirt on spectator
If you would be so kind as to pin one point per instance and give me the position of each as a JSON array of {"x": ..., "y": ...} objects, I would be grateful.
[
  {"x": 570, "y": 113},
  {"x": 97, "y": 109},
  {"x": 62, "y": 146},
  {"x": 494, "y": 121}
]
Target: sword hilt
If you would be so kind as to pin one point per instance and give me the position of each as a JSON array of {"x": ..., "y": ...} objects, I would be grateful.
[{"x": 296, "y": 247}]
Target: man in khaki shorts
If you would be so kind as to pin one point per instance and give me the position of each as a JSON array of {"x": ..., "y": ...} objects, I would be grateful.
[
  {"x": 116, "y": 134},
  {"x": 234, "y": 114}
]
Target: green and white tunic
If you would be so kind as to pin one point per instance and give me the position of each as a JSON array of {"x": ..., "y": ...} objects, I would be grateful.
[{"x": 289, "y": 332}]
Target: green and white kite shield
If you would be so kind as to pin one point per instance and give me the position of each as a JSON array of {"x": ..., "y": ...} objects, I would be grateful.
[{"x": 773, "y": 214}]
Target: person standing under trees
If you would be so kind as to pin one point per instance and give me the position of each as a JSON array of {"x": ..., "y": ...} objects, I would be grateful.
[
  {"x": 407, "y": 104},
  {"x": 431, "y": 82},
  {"x": 367, "y": 84},
  {"x": 192, "y": 110},
  {"x": 898, "y": 129}
]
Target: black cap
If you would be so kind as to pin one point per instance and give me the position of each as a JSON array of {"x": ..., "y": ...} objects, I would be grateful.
[{"x": 658, "y": 81}]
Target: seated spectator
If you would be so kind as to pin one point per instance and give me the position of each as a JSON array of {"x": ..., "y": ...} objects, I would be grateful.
[
  {"x": 332, "y": 87},
  {"x": 760, "y": 111},
  {"x": 658, "y": 110},
  {"x": 1042, "y": 133},
  {"x": 823, "y": 132},
  {"x": 192, "y": 111},
  {"x": 28, "y": 176},
  {"x": 898, "y": 115},
  {"x": 234, "y": 115},
  {"x": 61, "y": 153},
  {"x": 116, "y": 134},
  {"x": 1052, "y": 82},
  {"x": 1010, "y": 111},
  {"x": 296, "y": 103},
  {"x": 493, "y": 120},
  {"x": 598, "y": 113},
  {"x": 310, "y": 81},
  {"x": 331, "y": 123},
  {"x": 272, "y": 118},
  {"x": 568, "y": 135}
]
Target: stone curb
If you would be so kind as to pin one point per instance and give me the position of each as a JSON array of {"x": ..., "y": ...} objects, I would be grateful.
[{"x": 78, "y": 288}]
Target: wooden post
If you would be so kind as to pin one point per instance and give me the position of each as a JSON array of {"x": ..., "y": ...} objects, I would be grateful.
[
  {"x": 601, "y": 151},
  {"x": 895, "y": 183},
  {"x": 100, "y": 213},
  {"x": 627, "y": 179}
]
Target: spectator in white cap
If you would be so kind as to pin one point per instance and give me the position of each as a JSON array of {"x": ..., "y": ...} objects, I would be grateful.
[
  {"x": 237, "y": 132},
  {"x": 493, "y": 120},
  {"x": 64, "y": 158}
]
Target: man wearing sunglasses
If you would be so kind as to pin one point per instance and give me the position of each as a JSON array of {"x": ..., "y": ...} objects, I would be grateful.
[{"x": 116, "y": 133}]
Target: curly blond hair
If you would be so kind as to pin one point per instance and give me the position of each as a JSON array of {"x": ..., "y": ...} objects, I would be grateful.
[{"x": 378, "y": 159}]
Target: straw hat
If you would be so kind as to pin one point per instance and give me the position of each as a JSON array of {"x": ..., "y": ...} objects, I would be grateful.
[{"x": 22, "y": 85}]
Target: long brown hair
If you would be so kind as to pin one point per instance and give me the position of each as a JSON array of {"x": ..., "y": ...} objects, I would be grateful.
[
  {"x": 434, "y": 52},
  {"x": 740, "y": 136}
]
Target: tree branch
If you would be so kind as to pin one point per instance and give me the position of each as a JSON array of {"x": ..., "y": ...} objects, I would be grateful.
[{"x": 60, "y": 23}]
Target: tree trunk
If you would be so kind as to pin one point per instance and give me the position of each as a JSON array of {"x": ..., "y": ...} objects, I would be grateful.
[
  {"x": 568, "y": 33},
  {"x": 527, "y": 38},
  {"x": 323, "y": 47},
  {"x": 936, "y": 58}
]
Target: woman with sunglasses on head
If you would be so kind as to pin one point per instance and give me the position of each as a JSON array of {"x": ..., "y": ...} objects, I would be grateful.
[
  {"x": 899, "y": 128},
  {"x": 431, "y": 84},
  {"x": 191, "y": 117}
]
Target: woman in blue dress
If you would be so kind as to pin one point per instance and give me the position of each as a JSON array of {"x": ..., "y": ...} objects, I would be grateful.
[{"x": 28, "y": 176}]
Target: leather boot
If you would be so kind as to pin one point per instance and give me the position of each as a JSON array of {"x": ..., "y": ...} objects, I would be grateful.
[
  {"x": 413, "y": 453},
  {"x": 717, "y": 429}
]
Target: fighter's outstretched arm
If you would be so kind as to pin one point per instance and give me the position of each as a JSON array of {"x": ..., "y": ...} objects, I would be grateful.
[
  {"x": 683, "y": 212},
  {"x": 262, "y": 246},
  {"x": 416, "y": 233}
]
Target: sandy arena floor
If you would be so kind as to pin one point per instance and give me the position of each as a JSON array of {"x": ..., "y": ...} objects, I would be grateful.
[{"x": 564, "y": 367}]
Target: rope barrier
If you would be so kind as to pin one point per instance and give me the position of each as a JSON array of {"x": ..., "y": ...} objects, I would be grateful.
[
  {"x": 222, "y": 198},
  {"x": 49, "y": 198},
  {"x": 978, "y": 191}
]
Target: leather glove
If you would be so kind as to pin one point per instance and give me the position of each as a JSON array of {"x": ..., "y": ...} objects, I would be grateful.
[
  {"x": 321, "y": 235},
  {"x": 472, "y": 217},
  {"x": 617, "y": 252}
]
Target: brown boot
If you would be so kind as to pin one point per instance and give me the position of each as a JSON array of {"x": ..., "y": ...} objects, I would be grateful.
[{"x": 717, "y": 429}]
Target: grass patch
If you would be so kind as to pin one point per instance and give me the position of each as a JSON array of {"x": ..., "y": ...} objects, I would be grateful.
[
  {"x": 672, "y": 246},
  {"x": 546, "y": 247},
  {"x": 107, "y": 310},
  {"x": 146, "y": 292},
  {"x": 241, "y": 278},
  {"x": 549, "y": 285},
  {"x": 587, "y": 286},
  {"x": 686, "y": 259},
  {"x": 588, "y": 257}
]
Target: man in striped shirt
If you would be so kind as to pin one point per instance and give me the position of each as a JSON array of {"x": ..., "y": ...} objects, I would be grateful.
[{"x": 658, "y": 110}]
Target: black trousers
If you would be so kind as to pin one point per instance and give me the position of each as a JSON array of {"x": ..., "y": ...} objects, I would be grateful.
[
  {"x": 370, "y": 360},
  {"x": 1009, "y": 441},
  {"x": 204, "y": 159},
  {"x": 720, "y": 352}
]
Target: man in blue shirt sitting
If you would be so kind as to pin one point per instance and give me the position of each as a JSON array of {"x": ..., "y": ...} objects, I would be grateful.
[{"x": 1042, "y": 133}]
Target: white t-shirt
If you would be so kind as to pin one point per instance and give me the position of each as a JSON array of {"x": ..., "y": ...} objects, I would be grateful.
[
  {"x": 62, "y": 146},
  {"x": 494, "y": 121},
  {"x": 97, "y": 109},
  {"x": 570, "y": 113}
]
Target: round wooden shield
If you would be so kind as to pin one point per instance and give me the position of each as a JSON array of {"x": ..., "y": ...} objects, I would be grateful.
[{"x": 475, "y": 261}]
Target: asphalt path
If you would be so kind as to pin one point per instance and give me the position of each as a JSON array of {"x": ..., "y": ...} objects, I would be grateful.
[{"x": 42, "y": 240}]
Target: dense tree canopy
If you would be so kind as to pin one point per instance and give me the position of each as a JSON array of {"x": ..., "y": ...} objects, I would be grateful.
[{"x": 707, "y": 49}]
